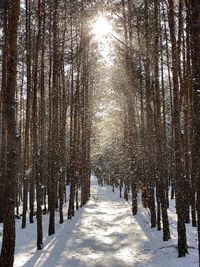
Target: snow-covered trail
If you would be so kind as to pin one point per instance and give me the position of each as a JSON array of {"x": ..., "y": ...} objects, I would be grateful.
[{"x": 103, "y": 233}]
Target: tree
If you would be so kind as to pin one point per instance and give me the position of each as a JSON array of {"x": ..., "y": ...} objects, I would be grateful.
[
  {"x": 179, "y": 179},
  {"x": 9, "y": 105},
  {"x": 195, "y": 49}
]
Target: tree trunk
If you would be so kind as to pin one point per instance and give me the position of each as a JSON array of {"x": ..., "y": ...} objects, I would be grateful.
[
  {"x": 179, "y": 186},
  {"x": 8, "y": 244},
  {"x": 195, "y": 48}
]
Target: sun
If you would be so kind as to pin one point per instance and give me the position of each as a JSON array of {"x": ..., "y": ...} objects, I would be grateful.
[{"x": 101, "y": 27}]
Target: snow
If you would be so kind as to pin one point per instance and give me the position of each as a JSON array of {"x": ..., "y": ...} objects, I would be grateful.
[{"x": 103, "y": 234}]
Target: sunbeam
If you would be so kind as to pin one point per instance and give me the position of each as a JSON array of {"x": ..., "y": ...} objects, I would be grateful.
[{"x": 101, "y": 27}]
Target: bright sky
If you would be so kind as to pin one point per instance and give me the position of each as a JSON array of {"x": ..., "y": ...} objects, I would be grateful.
[{"x": 101, "y": 29}]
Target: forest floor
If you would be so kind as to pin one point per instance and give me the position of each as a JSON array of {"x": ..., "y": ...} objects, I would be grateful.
[{"x": 104, "y": 234}]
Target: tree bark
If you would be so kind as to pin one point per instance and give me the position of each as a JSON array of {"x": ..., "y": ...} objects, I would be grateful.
[
  {"x": 8, "y": 245},
  {"x": 195, "y": 49}
]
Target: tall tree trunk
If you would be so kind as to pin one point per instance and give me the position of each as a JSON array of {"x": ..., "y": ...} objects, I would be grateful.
[
  {"x": 161, "y": 180},
  {"x": 195, "y": 48},
  {"x": 28, "y": 112},
  {"x": 8, "y": 244},
  {"x": 149, "y": 126},
  {"x": 179, "y": 185},
  {"x": 54, "y": 127},
  {"x": 3, "y": 123}
]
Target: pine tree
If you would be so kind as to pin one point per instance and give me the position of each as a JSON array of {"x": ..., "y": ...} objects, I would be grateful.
[{"x": 9, "y": 107}]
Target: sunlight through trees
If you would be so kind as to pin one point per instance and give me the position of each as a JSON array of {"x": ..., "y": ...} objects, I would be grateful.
[{"x": 103, "y": 87}]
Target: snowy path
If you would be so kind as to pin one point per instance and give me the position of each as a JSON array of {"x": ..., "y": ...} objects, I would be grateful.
[{"x": 102, "y": 234}]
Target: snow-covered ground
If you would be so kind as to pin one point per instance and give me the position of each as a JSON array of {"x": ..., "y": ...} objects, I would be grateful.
[{"x": 104, "y": 234}]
